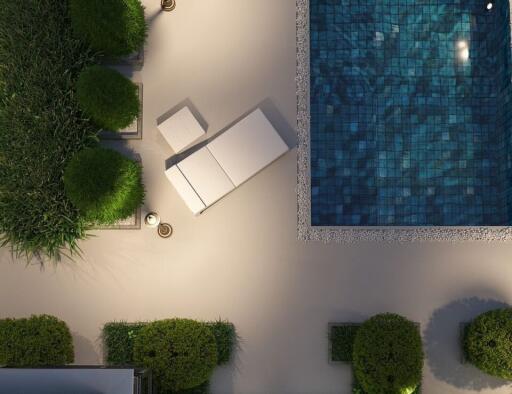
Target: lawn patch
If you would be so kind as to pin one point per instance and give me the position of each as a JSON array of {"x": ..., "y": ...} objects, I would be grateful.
[
  {"x": 41, "y": 125},
  {"x": 115, "y": 27}
]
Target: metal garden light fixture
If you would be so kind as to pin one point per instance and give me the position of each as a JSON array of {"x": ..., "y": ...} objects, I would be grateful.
[{"x": 168, "y": 5}]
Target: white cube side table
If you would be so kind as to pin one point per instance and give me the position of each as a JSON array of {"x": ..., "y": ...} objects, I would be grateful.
[{"x": 181, "y": 129}]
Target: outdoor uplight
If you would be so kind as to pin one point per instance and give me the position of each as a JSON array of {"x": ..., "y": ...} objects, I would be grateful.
[
  {"x": 152, "y": 220},
  {"x": 489, "y": 6},
  {"x": 168, "y": 5}
]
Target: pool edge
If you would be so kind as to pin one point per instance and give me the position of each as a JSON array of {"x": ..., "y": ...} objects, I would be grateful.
[{"x": 307, "y": 232}]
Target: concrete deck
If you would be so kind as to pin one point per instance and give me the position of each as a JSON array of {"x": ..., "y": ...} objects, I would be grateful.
[{"x": 241, "y": 260}]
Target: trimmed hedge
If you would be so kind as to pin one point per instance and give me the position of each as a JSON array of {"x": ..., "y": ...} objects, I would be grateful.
[
  {"x": 388, "y": 355},
  {"x": 41, "y": 126},
  {"x": 181, "y": 353},
  {"x": 104, "y": 185},
  {"x": 115, "y": 27},
  {"x": 39, "y": 341},
  {"x": 488, "y": 343},
  {"x": 342, "y": 342},
  {"x": 226, "y": 339},
  {"x": 108, "y": 97},
  {"x": 119, "y": 339}
]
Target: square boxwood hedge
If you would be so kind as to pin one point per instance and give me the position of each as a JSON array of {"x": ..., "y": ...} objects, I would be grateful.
[
  {"x": 39, "y": 341},
  {"x": 119, "y": 339},
  {"x": 342, "y": 338}
]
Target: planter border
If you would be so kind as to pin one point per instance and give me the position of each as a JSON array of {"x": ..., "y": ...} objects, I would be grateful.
[
  {"x": 136, "y": 60},
  {"x": 128, "y": 135},
  {"x": 136, "y": 226}
]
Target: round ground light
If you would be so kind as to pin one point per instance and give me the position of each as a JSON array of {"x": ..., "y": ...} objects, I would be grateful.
[
  {"x": 168, "y": 5},
  {"x": 164, "y": 230}
]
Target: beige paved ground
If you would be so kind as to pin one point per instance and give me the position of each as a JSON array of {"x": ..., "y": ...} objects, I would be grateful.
[{"x": 241, "y": 260}]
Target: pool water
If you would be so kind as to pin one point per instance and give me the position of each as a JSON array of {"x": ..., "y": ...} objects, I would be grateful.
[{"x": 411, "y": 113}]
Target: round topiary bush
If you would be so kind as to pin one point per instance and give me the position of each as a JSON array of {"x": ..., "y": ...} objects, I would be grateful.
[
  {"x": 39, "y": 341},
  {"x": 104, "y": 185},
  {"x": 115, "y": 27},
  {"x": 388, "y": 355},
  {"x": 107, "y": 97},
  {"x": 181, "y": 353},
  {"x": 488, "y": 342}
]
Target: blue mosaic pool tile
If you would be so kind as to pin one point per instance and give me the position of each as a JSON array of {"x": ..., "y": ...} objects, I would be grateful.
[{"x": 404, "y": 131}]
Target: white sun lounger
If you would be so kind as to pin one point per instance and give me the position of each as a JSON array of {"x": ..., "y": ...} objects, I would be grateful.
[{"x": 229, "y": 160}]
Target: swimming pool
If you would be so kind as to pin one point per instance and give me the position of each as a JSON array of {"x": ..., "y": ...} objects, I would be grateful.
[{"x": 410, "y": 113}]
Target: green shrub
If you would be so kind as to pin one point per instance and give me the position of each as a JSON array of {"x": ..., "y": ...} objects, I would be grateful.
[
  {"x": 488, "y": 342},
  {"x": 104, "y": 185},
  {"x": 181, "y": 353},
  {"x": 388, "y": 355},
  {"x": 114, "y": 27},
  {"x": 35, "y": 342},
  {"x": 41, "y": 126},
  {"x": 342, "y": 342},
  {"x": 225, "y": 338},
  {"x": 107, "y": 97}
]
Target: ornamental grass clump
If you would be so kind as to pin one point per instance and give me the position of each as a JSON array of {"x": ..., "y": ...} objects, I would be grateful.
[
  {"x": 181, "y": 353},
  {"x": 41, "y": 126},
  {"x": 388, "y": 355},
  {"x": 107, "y": 97},
  {"x": 39, "y": 341},
  {"x": 115, "y": 27},
  {"x": 104, "y": 185},
  {"x": 488, "y": 343}
]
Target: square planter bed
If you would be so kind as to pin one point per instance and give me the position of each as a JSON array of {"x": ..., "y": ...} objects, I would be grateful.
[
  {"x": 132, "y": 132},
  {"x": 133, "y": 222}
]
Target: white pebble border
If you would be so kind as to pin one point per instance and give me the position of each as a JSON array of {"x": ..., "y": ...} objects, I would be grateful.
[{"x": 307, "y": 232}]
